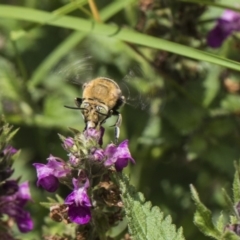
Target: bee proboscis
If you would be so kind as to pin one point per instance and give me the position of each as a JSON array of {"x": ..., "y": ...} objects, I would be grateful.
[{"x": 101, "y": 99}]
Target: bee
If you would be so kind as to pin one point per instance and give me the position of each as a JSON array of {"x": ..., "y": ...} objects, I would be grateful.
[{"x": 101, "y": 99}]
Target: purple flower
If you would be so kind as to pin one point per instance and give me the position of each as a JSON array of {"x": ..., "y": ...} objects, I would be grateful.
[
  {"x": 98, "y": 154},
  {"x": 23, "y": 193},
  {"x": 118, "y": 155},
  {"x": 79, "y": 203},
  {"x": 95, "y": 134},
  {"x": 9, "y": 150},
  {"x": 73, "y": 160},
  {"x": 48, "y": 174},
  {"x": 229, "y": 22},
  {"x": 68, "y": 143},
  {"x": 9, "y": 187},
  {"x": 13, "y": 206}
]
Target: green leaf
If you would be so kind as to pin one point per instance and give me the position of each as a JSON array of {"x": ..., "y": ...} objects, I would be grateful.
[
  {"x": 236, "y": 187},
  {"x": 59, "y": 199},
  {"x": 51, "y": 201},
  {"x": 75, "y": 131},
  {"x": 6, "y": 130},
  {"x": 233, "y": 220},
  {"x": 227, "y": 199},
  {"x": 220, "y": 223},
  {"x": 211, "y": 85},
  {"x": 62, "y": 138},
  {"x": 145, "y": 221},
  {"x": 123, "y": 34},
  {"x": 231, "y": 103},
  {"x": 11, "y": 134},
  {"x": 230, "y": 236},
  {"x": 213, "y": 4},
  {"x": 46, "y": 204},
  {"x": 9, "y": 87},
  {"x": 236, "y": 183},
  {"x": 203, "y": 217}
]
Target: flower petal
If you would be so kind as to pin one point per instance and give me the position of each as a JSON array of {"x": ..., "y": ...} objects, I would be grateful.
[
  {"x": 123, "y": 151},
  {"x": 48, "y": 174},
  {"x": 109, "y": 153},
  {"x": 78, "y": 214},
  {"x": 9, "y": 150},
  {"x": 24, "y": 222},
  {"x": 217, "y": 36},
  {"x": 226, "y": 24},
  {"x": 121, "y": 163},
  {"x": 230, "y": 15},
  {"x": 43, "y": 170},
  {"x": 49, "y": 183},
  {"x": 13, "y": 206},
  {"x": 59, "y": 167},
  {"x": 73, "y": 160},
  {"x": 110, "y": 149},
  {"x": 98, "y": 154},
  {"x": 23, "y": 195},
  {"x": 9, "y": 187},
  {"x": 68, "y": 142},
  {"x": 79, "y": 196}
]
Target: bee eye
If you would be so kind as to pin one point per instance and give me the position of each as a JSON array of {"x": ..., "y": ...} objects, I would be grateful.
[
  {"x": 101, "y": 109},
  {"x": 85, "y": 105}
]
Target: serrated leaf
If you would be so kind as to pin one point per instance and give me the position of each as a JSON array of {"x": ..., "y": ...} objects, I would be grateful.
[
  {"x": 12, "y": 134},
  {"x": 145, "y": 221},
  {"x": 75, "y": 131},
  {"x": 230, "y": 236},
  {"x": 62, "y": 138},
  {"x": 6, "y": 132},
  {"x": 227, "y": 199},
  {"x": 236, "y": 184},
  {"x": 58, "y": 228},
  {"x": 203, "y": 217},
  {"x": 233, "y": 220},
  {"x": 220, "y": 223},
  {"x": 59, "y": 199},
  {"x": 46, "y": 204},
  {"x": 51, "y": 200}
]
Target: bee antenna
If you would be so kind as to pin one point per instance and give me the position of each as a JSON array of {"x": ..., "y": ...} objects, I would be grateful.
[{"x": 76, "y": 108}]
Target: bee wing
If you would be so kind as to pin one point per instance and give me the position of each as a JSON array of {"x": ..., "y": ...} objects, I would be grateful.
[
  {"x": 135, "y": 88},
  {"x": 77, "y": 72}
]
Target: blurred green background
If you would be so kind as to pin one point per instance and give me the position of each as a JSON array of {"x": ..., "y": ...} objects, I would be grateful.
[{"x": 182, "y": 120}]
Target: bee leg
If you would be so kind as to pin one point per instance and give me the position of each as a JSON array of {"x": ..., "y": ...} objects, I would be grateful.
[
  {"x": 78, "y": 101},
  {"x": 117, "y": 127}
]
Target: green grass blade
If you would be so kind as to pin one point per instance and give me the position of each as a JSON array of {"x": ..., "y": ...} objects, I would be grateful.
[
  {"x": 52, "y": 59},
  {"x": 70, "y": 42},
  {"x": 213, "y": 4},
  {"x": 69, "y": 7},
  {"x": 128, "y": 35}
]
